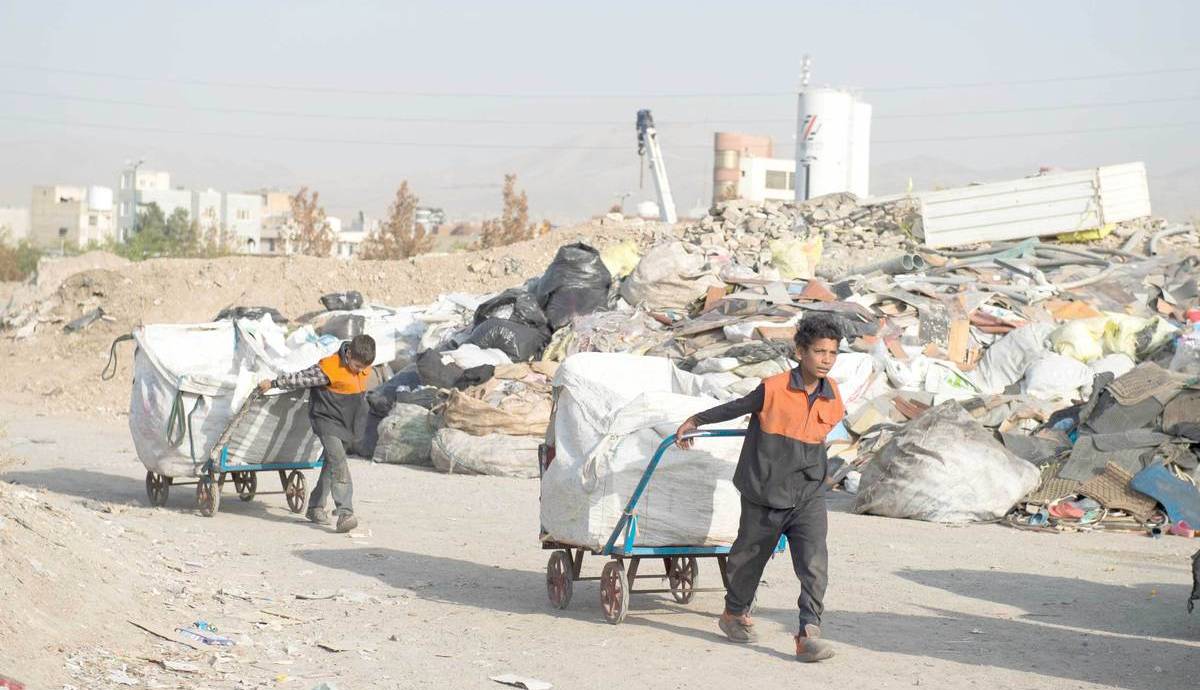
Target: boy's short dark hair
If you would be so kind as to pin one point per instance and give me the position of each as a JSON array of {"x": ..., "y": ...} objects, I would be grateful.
[
  {"x": 817, "y": 327},
  {"x": 362, "y": 349}
]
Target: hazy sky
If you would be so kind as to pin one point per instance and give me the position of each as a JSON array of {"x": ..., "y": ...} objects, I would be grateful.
[{"x": 352, "y": 97}]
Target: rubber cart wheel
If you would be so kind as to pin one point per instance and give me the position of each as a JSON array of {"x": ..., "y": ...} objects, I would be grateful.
[
  {"x": 296, "y": 491},
  {"x": 158, "y": 488},
  {"x": 559, "y": 580},
  {"x": 614, "y": 592},
  {"x": 682, "y": 578},
  {"x": 208, "y": 495},
  {"x": 246, "y": 484}
]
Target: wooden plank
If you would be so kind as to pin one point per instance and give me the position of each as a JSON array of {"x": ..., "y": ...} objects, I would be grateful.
[
  {"x": 959, "y": 339},
  {"x": 715, "y": 294}
]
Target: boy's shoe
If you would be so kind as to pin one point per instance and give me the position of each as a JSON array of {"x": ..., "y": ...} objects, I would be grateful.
[
  {"x": 317, "y": 516},
  {"x": 810, "y": 647},
  {"x": 346, "y": 522},
  {"x": 738, "y": 629}
]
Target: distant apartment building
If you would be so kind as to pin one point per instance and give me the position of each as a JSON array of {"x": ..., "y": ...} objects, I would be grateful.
[
  {"x": 240, "y": 215},
  {"x": 744, "y": 167},
  {"x": 14, "y": 224},
  {"x": 348, "y": 242},
  {"x": 63, "y": 216},
  {"x": 429, "y": 218}
]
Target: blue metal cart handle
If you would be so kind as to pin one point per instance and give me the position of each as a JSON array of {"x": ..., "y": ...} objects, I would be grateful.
[{"x": 669, "y": 441}]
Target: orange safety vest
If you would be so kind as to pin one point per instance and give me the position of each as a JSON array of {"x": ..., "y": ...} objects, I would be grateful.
[
  {"x": 341, "y": 380},
  {"x": 785, "y": 411}
]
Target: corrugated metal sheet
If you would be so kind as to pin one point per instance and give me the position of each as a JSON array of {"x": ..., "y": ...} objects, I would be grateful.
[{"x": 1035, "y": 206}]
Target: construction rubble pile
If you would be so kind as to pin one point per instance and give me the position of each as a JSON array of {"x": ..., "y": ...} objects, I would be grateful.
[{"x": 1051, "y": 384}]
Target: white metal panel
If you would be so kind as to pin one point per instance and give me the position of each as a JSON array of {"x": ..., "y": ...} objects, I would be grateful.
[{"x": 1035, "y": 206}]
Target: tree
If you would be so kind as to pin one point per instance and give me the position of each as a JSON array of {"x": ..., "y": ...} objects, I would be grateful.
[
  {"x": 399, "y": 237},
  {"x": 17, "y": 261},
  {"x": 309, "y": 231},
  {"x": 513, "y": 224}
]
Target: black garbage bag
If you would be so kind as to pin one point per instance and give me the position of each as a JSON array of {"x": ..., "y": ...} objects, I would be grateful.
[
  {"x": 515, "y": 304},
  {"x": 517, "y": 340},
  {"x": 433, "y": 372},
  {"x": 576, "y": 283},
  {"x": 343, "y": 326},
  {"x": 342, "y": 301},
  {"x": 254, "y": 313}
]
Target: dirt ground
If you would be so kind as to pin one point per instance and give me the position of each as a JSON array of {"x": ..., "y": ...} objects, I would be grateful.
[{"x": 443, "y": 586}]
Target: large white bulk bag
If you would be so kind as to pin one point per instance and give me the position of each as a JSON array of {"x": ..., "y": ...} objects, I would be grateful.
[
  {"x": 189, "y": 380},
  {"x": 612, "y": 412}
]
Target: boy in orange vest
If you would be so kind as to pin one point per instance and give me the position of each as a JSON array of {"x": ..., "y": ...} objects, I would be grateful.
[
  {"x": 781, "y": 476},
  {"x": 337, "y": 408}
]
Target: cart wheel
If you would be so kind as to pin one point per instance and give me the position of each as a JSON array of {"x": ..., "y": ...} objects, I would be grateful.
[
  {"x": 295, "y": 491},
  {"x": 559, "y": 580},
  {"x": 614, "y": 592},
  {"x": 246, "y": 484},
  {"x": 208, "y": 495},
  {"x": 684, "y": 571},
  {"x": 157, "y": 488}
]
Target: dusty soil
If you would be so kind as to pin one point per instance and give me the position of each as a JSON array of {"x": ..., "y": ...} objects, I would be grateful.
[{"x": 443, "y": 586}]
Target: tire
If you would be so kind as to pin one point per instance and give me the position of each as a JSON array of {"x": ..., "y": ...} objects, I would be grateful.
[
  {"x": 158, "y": 488},
  {"x": 246, "y": 484},
  {"x": 296, "y": 491},
  {"x": 684, "y": 573},
  {"x": 208, "y": 495},
  {"x": 560, "y": 579},
  {"x": 614, "y": 592}
]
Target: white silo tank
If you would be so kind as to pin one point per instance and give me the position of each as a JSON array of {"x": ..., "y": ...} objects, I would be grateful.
[
  {"x": 648, "y": 210},
  {"x": 833, "y": 139}
]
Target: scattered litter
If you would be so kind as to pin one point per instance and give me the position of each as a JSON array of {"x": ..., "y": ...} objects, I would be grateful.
[
  {"x": 521, "y": 682},
  {"x": 209, "y": 638}
]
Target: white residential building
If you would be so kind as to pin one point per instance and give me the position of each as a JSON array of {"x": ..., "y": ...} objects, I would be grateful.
[
  {"x": 347, "y": 243},
  {"x": 241, "y": 215},
  {"x": 62, "y": 216},
  {"x": 132, "y": 190},
  {"x": 14, "y": 224}
]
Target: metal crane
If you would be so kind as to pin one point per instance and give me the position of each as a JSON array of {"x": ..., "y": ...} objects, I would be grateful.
[{"x": 647, "y": 138}]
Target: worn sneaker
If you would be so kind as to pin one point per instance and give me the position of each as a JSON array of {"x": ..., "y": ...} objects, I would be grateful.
[
  {"x": 738, "y": 629},
  {"x": 318, "y": 516},
  {"x": 346, "y": 522},
  {"x": 810, "y": 647}
]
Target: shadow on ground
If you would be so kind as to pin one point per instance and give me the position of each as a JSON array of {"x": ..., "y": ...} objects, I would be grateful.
[
  {"x": 114, "y": 488},
  {"x": 1088, "y": 647}
]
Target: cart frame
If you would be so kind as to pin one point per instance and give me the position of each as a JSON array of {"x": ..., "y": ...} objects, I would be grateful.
[
  {"x": 680, "y": 565},
  {"x": 213, "y": 473}
]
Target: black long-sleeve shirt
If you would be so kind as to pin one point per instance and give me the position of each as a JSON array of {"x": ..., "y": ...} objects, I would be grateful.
[{"x": 783, "y": 460}]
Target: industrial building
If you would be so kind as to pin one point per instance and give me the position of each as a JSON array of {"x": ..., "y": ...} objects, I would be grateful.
[
  {"x": 745, "y": 167},
  {"x": 833, "y": 144}
]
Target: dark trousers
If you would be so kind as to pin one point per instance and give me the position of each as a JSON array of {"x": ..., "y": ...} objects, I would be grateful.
[
  {"x": 806, "y": 526},
  {"x": 334, "y": 478}
]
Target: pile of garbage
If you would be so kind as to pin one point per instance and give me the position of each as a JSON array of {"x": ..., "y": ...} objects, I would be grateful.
[
  {"x": 1006, "y": 352},
  {"x": 767, "y": 237},
  {"x": 1011, "y": 347}
]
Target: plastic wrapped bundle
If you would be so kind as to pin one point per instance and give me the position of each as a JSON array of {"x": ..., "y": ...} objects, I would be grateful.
[
  {"x": 944, "y": 467},
  {"x": 612, "y": 412}
]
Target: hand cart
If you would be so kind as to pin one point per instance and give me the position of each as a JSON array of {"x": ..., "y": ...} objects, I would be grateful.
[
  {"x": 264, "y": 427},
  {"x": 680, "y": 563}
]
